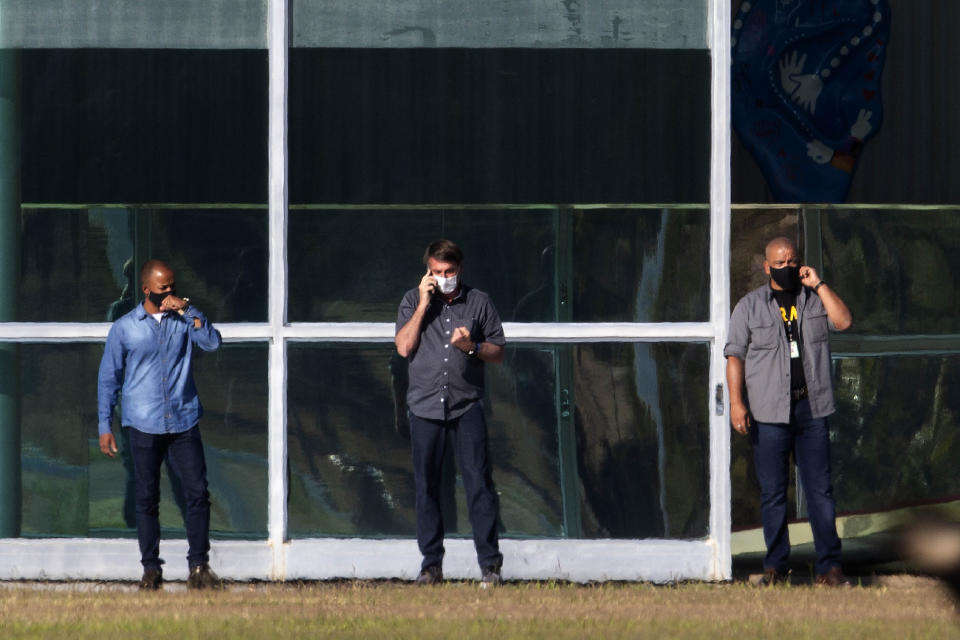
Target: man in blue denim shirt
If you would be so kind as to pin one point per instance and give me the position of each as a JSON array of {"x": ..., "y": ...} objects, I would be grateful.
[
  {"x": 148, "y": 356},
  {"x": 781, "y": 392}
]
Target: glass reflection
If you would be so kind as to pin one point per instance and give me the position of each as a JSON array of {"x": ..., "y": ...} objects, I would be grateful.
[
  {"x": 897, "y": 269},
  {"x": 538, "y": 265},
  {"x": 895, "y": 431},
  {"x": 894, "y": 443},
  {"x": 578, "y": 434},
  {"x": 82, "y": 265},
  {"x": 643, "y": 437},
  {"x": 350, "y": 452},
  {"x": 71, "y": 489}
]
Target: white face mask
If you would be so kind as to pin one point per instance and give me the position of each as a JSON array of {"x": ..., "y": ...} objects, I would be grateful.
[{"x": 447, "y": 285}]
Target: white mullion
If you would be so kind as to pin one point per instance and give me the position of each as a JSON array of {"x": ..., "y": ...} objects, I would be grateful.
[
  {"x": 720, "y": 282},
  {"x": 277, "y": 54}
]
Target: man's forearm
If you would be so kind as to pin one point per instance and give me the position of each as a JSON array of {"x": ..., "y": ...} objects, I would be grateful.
[
  {"x": 488, "y": 352},
  {"x": 408, "y": 338},
  {"x": 735, "y": 380},
  {"x": 836, "y": 308}
]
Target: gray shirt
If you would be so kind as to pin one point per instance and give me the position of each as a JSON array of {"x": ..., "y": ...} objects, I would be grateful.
[
  {"x": 444, "y": 381},
  {"x": 757, "y": 337}
]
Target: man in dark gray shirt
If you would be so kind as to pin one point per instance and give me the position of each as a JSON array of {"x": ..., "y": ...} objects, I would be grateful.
[
  {"x": 447, "y": 331},
  {"x": 779, "y": 349}
]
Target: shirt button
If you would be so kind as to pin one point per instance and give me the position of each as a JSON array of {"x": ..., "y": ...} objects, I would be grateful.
[
  {"x": 442, "y": 399},
  {"x": 448, "y": 333},
  {"x": 448, "y": 319},
  {"x": 445, "y": 359},
  {"x": 444, "y": 373},
  {"x": 446, "y": 346}
]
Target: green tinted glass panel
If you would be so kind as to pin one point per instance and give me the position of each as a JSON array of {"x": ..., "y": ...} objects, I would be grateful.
[
  {"x": 71, "y": 489},
  {"x": 893, "y": 438},
  {"x": 642, "y": 428},
  {"x": 898, "y": 270},
  {"x": 649, "y": 265},
  {"x": 82, "y": 265},
  {"x": 538, "y": 265},
  {"x": 586, "y": 441},
  {"x": 349, "y": 444}
]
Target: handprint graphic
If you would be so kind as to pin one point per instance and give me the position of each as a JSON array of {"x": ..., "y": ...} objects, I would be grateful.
[{"x": 806, "y": 95}]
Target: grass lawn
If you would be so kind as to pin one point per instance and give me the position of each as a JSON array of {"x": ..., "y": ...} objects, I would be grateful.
[{"x": 893, "y": 607}]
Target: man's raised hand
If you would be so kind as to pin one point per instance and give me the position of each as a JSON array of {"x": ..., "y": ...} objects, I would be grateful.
[{"x": 428, "y": 285}]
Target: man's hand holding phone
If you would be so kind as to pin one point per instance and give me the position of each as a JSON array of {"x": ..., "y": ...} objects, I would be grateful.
[{"x": 428, "y": 286}]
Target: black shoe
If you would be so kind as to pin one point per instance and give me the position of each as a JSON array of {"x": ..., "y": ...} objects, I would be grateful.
[
  {"x": 201, "y": 577},
  {"x": 491, "y": 577},
  {"x": 430, "y": 575},
  {"x": 772, "y": 578},
  {"x": 152, "y": 580}
]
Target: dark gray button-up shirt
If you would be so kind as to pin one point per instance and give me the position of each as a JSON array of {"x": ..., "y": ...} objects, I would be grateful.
[
  {"x": 757, "y": 337},
  {"x": 444, "y": 381}
]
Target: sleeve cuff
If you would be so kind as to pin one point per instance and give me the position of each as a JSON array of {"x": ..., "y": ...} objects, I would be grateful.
[{"x": 732, "y": 350}]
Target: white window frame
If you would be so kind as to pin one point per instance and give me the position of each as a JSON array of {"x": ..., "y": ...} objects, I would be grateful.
[{"x": 280, "y": 558}]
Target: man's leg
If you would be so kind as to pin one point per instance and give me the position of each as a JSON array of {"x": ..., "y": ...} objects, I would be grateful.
[
  {"x": 472, "y": 458},
  {"x": 147, "y": 451},
  {"x": 772, "y": 444},
  {"x": 185, "y": 456},
  {"x": 427, "y": 438},
  {"x": 813, "y": 461}
]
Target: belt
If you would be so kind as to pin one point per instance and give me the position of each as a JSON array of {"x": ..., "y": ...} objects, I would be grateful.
[{"x": 798, "y": 394}]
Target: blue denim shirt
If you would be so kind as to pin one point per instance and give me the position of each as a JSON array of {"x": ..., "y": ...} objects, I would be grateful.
[{"x": 151, "y": 363}]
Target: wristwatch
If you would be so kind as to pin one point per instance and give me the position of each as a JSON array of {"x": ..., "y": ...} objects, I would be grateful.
[
  {"x": 473, "y": 352},
  {"x": 187, "y": 300},
  {"x": 819, "y": 284}
]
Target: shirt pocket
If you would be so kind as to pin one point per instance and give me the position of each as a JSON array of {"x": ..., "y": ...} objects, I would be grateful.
[
  {"x": 816, "y": 328},
  {"x": 470, "y": 322},
  {"x": 764, "y": 335}
]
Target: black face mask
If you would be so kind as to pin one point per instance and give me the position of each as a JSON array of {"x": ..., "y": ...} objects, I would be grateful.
[
  {"x": 787, "y": 278},
  {"x": 157, "y": 298}
]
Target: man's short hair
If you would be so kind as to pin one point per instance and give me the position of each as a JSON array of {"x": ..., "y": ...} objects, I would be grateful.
[{"x": 443, "y": 250}]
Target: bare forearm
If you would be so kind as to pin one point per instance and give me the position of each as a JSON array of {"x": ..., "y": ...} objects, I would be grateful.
[
  {"x": 408, "y": 338},
  {"x": 492, "y": 353},
  {"x": 837, "y": 310},
  {"x": 735, "y": 380}
]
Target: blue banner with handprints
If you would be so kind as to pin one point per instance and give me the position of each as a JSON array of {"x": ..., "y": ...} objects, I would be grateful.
[{"x": 806, "y": 90}]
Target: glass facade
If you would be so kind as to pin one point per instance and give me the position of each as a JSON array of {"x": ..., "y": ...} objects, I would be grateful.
[
  {"x": 886, "y": 244},
  {"x": 567, "y": 152},
  {"x": 570, "y": 158},
  {"x": 71, "y": 489},
  {"x": 539, "y": 264},
  {"x": 587, "y": 441}
]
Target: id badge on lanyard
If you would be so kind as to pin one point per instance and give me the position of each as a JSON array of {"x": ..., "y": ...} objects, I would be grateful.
[{"x": 794, "y": 349}]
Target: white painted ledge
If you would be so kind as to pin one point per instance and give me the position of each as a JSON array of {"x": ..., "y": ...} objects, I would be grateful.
[{"x": 328, "y": 558}]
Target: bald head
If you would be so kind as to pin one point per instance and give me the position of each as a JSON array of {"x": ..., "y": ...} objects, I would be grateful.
[
  {"x": 775, "y": 246},
  {"x": 151, "y": 268}
]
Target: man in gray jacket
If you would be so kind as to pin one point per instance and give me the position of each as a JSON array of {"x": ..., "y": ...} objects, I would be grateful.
[{"x": 778, "y": 348}]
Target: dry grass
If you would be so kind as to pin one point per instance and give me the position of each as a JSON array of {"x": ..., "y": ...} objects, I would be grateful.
[{"x": 904, "y": 608}]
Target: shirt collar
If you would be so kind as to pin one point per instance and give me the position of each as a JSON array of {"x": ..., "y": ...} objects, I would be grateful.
[
  {"x": 461, "y": 296},
  {"x": 142, "y": 314}
]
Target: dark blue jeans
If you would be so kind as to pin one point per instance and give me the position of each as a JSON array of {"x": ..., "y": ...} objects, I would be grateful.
[
  {"x": 184, "y": 454},
  {"x": 808, "y": 438},
  {"x": 469, "y": 436}
]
